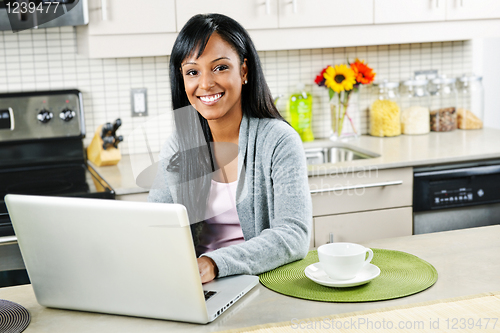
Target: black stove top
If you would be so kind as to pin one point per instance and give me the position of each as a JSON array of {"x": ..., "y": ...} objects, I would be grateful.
[{"x": 69, "y": 180}]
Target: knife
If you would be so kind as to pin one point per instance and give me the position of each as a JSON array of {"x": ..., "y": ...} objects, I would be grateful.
[
  {"x": 118, "y": 140},
  {"x": 107, "y": 142},
  {"x": 116, "y": 125},
  {"x": 106, "y": 128}
]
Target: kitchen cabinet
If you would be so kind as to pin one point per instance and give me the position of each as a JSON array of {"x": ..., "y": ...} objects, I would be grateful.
[
  {"x": 316, "y": 13},
  {"x": 131, "y": 17},
  {"x": 362, "y": 205},
  {"x": 364, "y": 226},
  {"x": 472, "y": 9},
  {"x": 127, "y": 28},
  {"x": 397, "y": 11},
  {"x": 250, "y": 14},
  {"x": 151, "y": 28}
]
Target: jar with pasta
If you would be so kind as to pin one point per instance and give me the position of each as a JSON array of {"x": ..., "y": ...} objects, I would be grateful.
[
  {"x": 384, "y": 115},
  {"x": 470, "y": 102},
  {"x": 415, "y": 105},
  {"x": 443, "y": 114}
]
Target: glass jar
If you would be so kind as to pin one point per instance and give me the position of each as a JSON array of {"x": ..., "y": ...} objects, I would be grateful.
[
  {"x": 415, "y": 103},
  {"x": 470, "y": 107},
  {"x": 444, "y": 105},
  {"x": 384, "y": 114}
]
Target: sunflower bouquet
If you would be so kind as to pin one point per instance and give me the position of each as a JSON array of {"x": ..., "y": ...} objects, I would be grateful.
[{"x": 341, "y": 81}]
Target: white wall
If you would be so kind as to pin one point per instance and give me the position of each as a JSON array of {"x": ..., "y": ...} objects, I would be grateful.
[{"x": 46, "y": 59}]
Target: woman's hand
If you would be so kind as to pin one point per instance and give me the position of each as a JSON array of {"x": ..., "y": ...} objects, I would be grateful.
[{"x": 208, "y": 269}]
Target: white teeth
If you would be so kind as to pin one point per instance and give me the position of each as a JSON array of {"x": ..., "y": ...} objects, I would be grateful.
[{"x": 212, "y": 98}]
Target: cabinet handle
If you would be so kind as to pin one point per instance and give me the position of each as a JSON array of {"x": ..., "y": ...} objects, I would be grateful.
[
  {"x": 461, "y": 3},
  {"x": 268, "y": 7},
  {"x": 354, "y": 187},
  {"x": 294, "y": 4},
  {"x": 330, "y": 240},
  {"x": 8, "y": 239},
  {"x": 104, "y": 9},
  {"x": 437, "y": 3}
]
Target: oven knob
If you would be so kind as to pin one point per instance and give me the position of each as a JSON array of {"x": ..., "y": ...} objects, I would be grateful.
[
  {"x": 44, "y": 116},
  {"x": 67, "y": 114}
]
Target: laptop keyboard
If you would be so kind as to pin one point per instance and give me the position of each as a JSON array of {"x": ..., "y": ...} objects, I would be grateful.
[{"x": 208, "y": 294}]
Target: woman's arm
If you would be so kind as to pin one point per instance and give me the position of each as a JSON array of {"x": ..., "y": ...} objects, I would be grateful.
[{"x": 290, "y": 220}]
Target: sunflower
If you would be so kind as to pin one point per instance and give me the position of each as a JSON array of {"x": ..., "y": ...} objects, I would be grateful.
[
  {"x": 339, "y": 78},
  {"x": 363, "y": 73}
]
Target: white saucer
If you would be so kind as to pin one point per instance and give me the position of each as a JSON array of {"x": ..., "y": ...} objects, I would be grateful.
[{"x": 316, "y": 273}]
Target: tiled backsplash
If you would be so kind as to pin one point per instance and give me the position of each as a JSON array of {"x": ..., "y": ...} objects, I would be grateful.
[{"x": 47, "y": 59}]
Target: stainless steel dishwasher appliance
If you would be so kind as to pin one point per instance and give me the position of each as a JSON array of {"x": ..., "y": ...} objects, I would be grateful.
[
  {"x": 41, "y": 153},
  {"x": 456, "y": 196}
]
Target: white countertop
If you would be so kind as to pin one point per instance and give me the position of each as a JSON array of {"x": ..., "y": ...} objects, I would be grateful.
[
  {"x": 466, "y": 261},
  {"x": 401, "y": 151}
]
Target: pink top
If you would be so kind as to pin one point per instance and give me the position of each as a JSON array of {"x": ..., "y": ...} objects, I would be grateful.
[{"x": 222, "y": 227}]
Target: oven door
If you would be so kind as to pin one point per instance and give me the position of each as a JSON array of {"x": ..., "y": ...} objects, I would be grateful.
[{"x": 12, "y": 270}]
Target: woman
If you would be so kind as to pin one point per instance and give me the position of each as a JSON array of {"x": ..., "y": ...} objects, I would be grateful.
[{"x": 249, "y": 205}]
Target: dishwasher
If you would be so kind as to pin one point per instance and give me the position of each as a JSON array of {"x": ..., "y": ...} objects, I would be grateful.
[{"x": 459, "y": 196}]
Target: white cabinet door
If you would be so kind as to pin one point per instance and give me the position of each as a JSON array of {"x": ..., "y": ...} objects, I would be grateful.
[
  {"x": 317, "y": 13},
  {"x": 251, "y": 14},
  {"x": 402, "y": 11},
  {"x": 131, "y": 17},
  {"x": 472, "y": 9}
]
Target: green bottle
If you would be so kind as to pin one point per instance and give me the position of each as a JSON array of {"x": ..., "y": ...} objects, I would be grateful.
[{"x": 300, "y": 113}]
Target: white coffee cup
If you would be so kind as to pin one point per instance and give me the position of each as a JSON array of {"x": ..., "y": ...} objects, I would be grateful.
[{"x": 343, "y": 261}]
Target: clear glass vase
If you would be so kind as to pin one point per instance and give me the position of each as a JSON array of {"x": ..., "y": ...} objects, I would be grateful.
[{"x": 344, "y": 107}]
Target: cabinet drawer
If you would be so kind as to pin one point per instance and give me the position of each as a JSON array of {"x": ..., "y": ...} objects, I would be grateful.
[
  {"x": 363, "y": 227},
  {"x": 369, "y": 189}
]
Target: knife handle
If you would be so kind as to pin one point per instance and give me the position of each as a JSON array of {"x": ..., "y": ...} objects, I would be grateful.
[
  {"x": 117, "y": 124},
  {"x": 106, "y": 128},
  {"x": 107, "y": 142},
  {"x": 118, "y": 140}
]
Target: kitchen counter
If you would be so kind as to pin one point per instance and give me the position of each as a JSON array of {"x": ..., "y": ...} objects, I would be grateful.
[
  {"x": 466, "y": 261},
  {"x": 401, "y": 151}
]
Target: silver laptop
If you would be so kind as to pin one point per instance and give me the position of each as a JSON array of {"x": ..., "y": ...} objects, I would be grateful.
[{"x": 119, "y": 257}]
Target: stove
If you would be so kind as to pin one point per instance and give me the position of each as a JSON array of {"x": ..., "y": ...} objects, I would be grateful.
[{"x": 41, "y": 153}]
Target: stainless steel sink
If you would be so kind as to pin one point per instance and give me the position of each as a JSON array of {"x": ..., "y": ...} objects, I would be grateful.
[{"x": 334, "y": 154}]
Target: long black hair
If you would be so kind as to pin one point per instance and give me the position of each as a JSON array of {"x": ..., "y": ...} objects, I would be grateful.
[{"x": 194, "y": 158}]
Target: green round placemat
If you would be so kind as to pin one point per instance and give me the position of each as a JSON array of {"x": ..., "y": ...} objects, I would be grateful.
[{"x": 401, "y": 274}]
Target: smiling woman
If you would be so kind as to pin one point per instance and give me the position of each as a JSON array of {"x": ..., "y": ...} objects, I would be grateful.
[
  {"x": 233, "y": 161},
  {"x": 213, "y": 81}
]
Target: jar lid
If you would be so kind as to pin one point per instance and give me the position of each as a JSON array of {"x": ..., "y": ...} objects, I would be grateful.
[
  {"x": 470, "y": 78},
  {"x": 415, "y": 83},
  {"x": 387, "y": 84},
  {"x": 444, "y": 80}
]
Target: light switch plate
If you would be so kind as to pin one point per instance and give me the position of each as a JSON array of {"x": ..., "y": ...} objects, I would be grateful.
[{"x": 139, "y": 102}]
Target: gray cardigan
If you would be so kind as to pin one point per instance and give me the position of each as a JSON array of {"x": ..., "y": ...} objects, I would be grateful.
[{"x": 272, "y": 198}]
